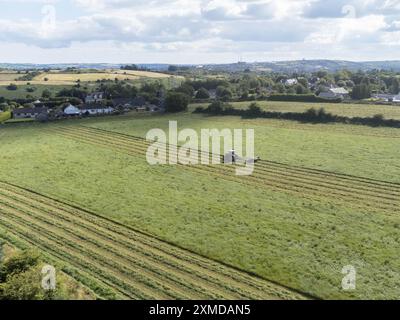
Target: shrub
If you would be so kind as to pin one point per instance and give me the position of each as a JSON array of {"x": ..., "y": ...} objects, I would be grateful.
[
  {"x": 300, "y": 98},
  {"x": 217, "y": 107},
  {"x": 176, "y": 102},
  {"x": 12, "y": 87},
  {"x": 31, "y": 89},
  {"x": 21, "y": 262},
  {"x": 202, "y": 93},
  {"x": 253, "y": 110}
]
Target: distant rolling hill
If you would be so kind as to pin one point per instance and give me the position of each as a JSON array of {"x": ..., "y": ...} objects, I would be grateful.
[
  {"x": 308, "y": 66},
  {"x": 274, "y": 66}
]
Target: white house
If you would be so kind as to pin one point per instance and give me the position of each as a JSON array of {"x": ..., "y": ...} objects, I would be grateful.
[
  {"x": 94, "y": 97},
  {"x": 71, "y": 110},
  {"x": 95, "y": 109},
  {"x": 334, "y": 93},
  {"x": 291, "y": 82},
  {"x": 387, "y": 97}
]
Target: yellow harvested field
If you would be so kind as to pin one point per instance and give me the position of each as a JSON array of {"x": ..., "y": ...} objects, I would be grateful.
[
  {"x": 9, "y": 77},
  {"x": 146, "y": 74},
  {"x": 69, "y": 78},
  {"x": 84, "y": 77},
  {"x": 4, "y": 83}
]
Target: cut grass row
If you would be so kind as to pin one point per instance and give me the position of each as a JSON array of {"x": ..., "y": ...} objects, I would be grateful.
[
  {"x": 345, "y": 177},
  {"x": 99, "y": 290},
  {"x": 137, "y": 265},
  {"x": 364, "y": 199},
  {"x": 364, "y": 192}
]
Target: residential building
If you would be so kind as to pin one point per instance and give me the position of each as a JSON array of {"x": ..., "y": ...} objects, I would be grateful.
[
  {"x": 26, "y": 113},
  {"x": 334, "y": 93},
  {"x": 94, "y": 97},
  {"x": 71, "y": 110},
  {"x": 95, "y": 109}
]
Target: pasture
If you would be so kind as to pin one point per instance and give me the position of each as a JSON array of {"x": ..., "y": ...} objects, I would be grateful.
[
  {"x": 324, "y": 196},
  {"x": 340, "y": 109},
  {"x": 68, "y": 78},
  {"x": 12, "y": 76},
  {"x": 22, "y": 89},
  {"x": 56, "y": 80}
]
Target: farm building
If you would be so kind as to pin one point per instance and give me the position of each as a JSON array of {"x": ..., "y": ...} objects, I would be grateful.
[
  {"x": 387, "y": 97},
  {"x": 128, "y": 103},
  {"x": 95, "y": 109},
  {"x": 71, "y": 110},
  {"x": 334, "y": 93},
  {"x": 94, "y": 97},
  {"x": 25, "y": 113}
]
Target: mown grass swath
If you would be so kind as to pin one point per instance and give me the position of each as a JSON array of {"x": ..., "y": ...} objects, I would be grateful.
[
  {"x": 130, "y": 264},
  {"x": 360, "y": 191}
]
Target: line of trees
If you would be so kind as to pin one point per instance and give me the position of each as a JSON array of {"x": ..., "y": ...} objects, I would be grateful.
[{"x": 312, "y": 115}]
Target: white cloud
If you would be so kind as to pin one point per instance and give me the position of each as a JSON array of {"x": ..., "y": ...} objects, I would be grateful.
[{"x": 210, "y": 27}]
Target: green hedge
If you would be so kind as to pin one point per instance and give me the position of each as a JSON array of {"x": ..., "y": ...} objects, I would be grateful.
[{"x": 301, "y": 98}]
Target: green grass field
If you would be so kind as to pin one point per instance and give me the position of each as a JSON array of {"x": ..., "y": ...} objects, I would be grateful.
[
  {"x": 348, "y": 109},
  {"x": 22, "y": 93},
  {"x": 273, "y": 225},
  {"x": 4, "y": 116}
]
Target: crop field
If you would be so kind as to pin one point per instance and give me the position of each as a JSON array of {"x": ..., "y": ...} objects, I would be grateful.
[
  {"x": 65, "y": 78},
  {"x": 56, "y": 78},
  {"x": 129, "y": 263},
  {"x": 22, "y": 87},
  {"x": 341, "y": 109},
  {"x": 144, "y": 74},
  {"x": 8, "y": 76},
  {"x": 268, "y": 174},
  {"x": 371, "y": 152},
  {"x": 327, "y": 197}
]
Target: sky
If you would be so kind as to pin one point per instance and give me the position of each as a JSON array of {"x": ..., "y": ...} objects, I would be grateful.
[{"x": 197, "y": 31}]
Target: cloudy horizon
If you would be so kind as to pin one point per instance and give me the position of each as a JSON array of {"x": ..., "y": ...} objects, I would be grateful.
[{"x": 197, "y": 31}]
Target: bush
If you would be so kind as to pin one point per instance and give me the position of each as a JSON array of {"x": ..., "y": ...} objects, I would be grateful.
[
  {"x": 217, "y": 107},
  {"x": 21, "y": 262},
  {"x": 202, "y": 93},
  {"x": 300, "y": 98},
  {"x": 46, "y": 94},
  {"x": 253, "y": 110},
  {"x": 199, "y": 110},
  {"x": 176, "y": 102},
  {"x": 12, "y": 87}
]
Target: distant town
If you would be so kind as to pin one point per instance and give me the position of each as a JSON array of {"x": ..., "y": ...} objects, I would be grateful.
[{"x": 49, "y": 94}]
